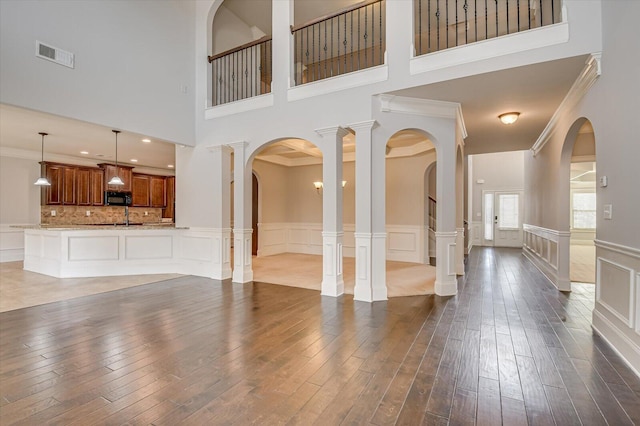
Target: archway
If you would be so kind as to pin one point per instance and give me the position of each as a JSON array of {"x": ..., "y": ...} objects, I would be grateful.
[
  {"x": 430, "y": 213},
  {"x": 410, "y": 160},
  {"x": 459, "y": 261},
  {"x": 577, "y": 206}
]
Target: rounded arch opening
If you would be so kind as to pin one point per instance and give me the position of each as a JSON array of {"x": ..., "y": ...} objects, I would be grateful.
[
  {"x": 578, "y": 199},
  {"x": 410, "y": 207}
]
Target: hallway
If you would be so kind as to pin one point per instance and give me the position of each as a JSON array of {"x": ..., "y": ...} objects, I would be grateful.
[{"x": 509, "y": 348}]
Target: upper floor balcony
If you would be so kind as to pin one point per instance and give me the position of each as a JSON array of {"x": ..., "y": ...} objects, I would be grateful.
[{"x": 323, "y": 44}]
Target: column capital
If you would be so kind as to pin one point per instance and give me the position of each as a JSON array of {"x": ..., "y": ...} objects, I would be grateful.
[
  {"x": 363, "y": 125},
  {"x": 219, "y": 148},
  {"x": 332, "y": 131}
]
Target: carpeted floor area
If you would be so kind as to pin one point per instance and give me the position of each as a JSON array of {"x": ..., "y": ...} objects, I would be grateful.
[
  {"x": 305, "y": 271},
  {"x": 583, "y": 264}
]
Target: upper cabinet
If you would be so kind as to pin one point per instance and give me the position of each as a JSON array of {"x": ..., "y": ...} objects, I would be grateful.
[
  {"x": 63, "y": 184},
  {"x": 148, "y": 191},
  {"x": 124, "y": 172}
]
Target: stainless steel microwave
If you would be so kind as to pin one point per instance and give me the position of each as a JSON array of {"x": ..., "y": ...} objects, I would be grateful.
[{"x": 117, "y": 198}]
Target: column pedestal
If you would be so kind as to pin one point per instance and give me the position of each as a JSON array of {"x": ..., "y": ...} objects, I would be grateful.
[
  {"x": 460, "y": 251},
  {"x": 242, "y": 271},
  {"x": 332, "y": 279},
  {"x": 371, "y": 283},
  {"x": 446, "y": 282}
]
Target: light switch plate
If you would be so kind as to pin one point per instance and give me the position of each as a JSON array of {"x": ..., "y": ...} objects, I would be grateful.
[
  {"x": 604, "y": 181},
  {"x": 608, "y": 212}
]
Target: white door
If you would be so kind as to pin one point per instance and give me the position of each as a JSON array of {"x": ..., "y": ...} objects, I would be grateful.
[{"x": 502, "y": 218}]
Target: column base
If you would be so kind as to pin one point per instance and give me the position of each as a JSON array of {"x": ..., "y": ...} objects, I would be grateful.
[
  {"x": 459, "y": 251},
  {"x": 446, "y": 281},
  {"x": 371, "y": 268},
  {"x": 242, "y": 270},
  {"x": 332, "y": 278}
]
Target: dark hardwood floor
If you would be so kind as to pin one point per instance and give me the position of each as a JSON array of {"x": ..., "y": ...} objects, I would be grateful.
[{"x": 508, "y": 349}]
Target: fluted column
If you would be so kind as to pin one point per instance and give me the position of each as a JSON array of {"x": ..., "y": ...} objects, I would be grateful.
[
  {"x": 332, "y": 232},
  {"x": 242, "y": 229}
]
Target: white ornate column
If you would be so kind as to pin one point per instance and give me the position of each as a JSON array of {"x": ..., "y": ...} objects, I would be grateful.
[
  {"x": 332, "y": 232},
  {"x": 370, "y": 236},
  {"x": 222, "y": 227},
  {"x": 446, "y": 280},
  {"x": 242, "y": 229}
]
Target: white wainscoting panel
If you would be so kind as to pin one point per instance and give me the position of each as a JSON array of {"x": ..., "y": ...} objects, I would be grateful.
[
  {"x": 404, "y": 243},
  {"x": 616, "y": 316},
  {"x": 548, "y": 250},
  {"x": 148, "y": 247},
  {"x": 11, "y": 244},
  {"x": 92, "y": 248},
  {"x": 196, "y": 247}
]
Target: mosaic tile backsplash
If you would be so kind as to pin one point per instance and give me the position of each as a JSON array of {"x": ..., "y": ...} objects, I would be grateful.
[{"x": 98, "y": 215}]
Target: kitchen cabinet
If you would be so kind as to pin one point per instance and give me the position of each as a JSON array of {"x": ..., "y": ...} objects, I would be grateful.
[
  {"x": 140, "y": 190},
  {"x": 170, "y": 187},
  {"x": 97, "y": 187},
  {"x": 83, "y": 186},
  {"x": 157, "y": 191},
  {"x": 124, "y": 172},
  {"x": 63, "y": 184}
]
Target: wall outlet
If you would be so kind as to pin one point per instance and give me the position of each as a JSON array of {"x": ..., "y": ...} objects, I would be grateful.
[
  {"x": 53, "y": 213},
  {"x": 88, "y": 213},
  {"x": 146, "y": 213}
]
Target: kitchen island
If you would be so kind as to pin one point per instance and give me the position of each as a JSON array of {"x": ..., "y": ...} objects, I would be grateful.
[{"x": 108, "y": 250}]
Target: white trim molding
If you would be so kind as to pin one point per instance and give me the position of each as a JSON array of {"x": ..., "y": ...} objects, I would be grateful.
[
  {"x": 243, "y": 105},
  {"x": 548, "y": 250},
  {"x": 11, "y": 243},
  {"x": 580, "y": 87},
  {"x": 340, "y": 82},
  {"x": 616, "y": 316}
]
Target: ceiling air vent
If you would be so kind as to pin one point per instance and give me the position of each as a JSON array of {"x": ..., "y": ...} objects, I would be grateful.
[{"x": 54, "y": 54}]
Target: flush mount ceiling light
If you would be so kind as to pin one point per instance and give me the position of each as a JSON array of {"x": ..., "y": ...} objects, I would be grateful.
[
  {"x": 42, "y": 180},
  {"x": 116, "y": 179},
  {"x": 509, "y": 117}
]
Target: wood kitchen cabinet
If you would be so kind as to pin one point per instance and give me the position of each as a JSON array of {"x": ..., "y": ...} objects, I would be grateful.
[
  {"x": 170, "y": 187},
  {"x": 157, "y": 191},
  {"x": 83, "y": 187},
  {"x": 97, "y": 187},
  {"x": 140, "y": 190},
  {"x": 63, "y": 184},
  {"x": 124, "y": 172},
  {"x": 73, "y": 185}
]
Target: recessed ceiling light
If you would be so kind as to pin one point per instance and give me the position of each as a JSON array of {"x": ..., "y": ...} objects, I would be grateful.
[
  {"x": 134, "y": 160},
  {"x": 84, "y": 152},
  {"x": 146, "y": 140},
  {"x": 170, "y": 166}
]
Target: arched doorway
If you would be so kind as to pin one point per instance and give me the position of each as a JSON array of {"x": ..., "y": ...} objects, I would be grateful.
[
  {"x": 410, "y": 161},
  {"x": 430, "y": 215}
]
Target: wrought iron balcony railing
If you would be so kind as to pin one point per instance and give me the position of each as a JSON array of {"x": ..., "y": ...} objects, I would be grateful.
[
  {"x": 242, "y": 72},
  {"x": 349, "y": 40},
  {"x": 441, "y": 24}
]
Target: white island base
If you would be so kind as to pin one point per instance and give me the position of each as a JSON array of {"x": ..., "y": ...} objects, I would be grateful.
[{"x": 106, "y": 251}]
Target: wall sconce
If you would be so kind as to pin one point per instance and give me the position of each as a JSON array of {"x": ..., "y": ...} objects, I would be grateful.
[
  {"x": 318, "y": 185},
  {"x": 509, "y": 117}
]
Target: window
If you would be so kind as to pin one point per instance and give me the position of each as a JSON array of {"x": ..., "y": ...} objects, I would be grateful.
[
  {"x": 508, "y": 217},
  {"x": 583, "y": 210}
]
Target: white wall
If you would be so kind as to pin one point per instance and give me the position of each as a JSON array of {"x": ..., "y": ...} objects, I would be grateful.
[
  {"x": 229, "y": 31},
  {"x": 19, "y": 197},
  {"x": 133, "y": 62},
  {"x": 611, "y": 105}
]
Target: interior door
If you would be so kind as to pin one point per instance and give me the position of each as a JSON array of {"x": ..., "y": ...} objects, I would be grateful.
[{"x": 502, "y": 218}]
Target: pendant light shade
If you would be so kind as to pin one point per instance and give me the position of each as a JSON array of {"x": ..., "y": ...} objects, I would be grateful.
[
  {"x": 42, "y": 180},
  {"x": 116, "y": 179}
]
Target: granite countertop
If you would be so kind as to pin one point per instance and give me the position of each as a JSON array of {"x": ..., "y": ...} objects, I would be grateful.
[{"x": 103, "y": 227}]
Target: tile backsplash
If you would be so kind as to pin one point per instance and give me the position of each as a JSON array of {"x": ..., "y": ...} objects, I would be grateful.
[{"x": 98, "y": 215}]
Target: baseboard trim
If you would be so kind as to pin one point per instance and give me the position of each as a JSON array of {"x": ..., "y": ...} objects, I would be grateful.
[{"x": 604, "y": 327}]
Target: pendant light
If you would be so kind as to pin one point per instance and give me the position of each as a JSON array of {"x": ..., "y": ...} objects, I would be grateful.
[
  {"x": 42, "y": 180},
  {"x": 116, "y": 180}
]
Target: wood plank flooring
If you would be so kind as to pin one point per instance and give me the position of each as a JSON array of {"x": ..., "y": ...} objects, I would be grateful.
[{"x": 508, "y": 349}]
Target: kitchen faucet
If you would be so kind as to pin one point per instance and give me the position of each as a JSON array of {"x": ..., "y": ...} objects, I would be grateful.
[{"x": 126, "y": 215}]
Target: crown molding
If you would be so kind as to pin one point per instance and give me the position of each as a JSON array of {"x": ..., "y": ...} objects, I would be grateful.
[
  {"x": 580, "y": 87},
  {"x": 424, "y": 107}
]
